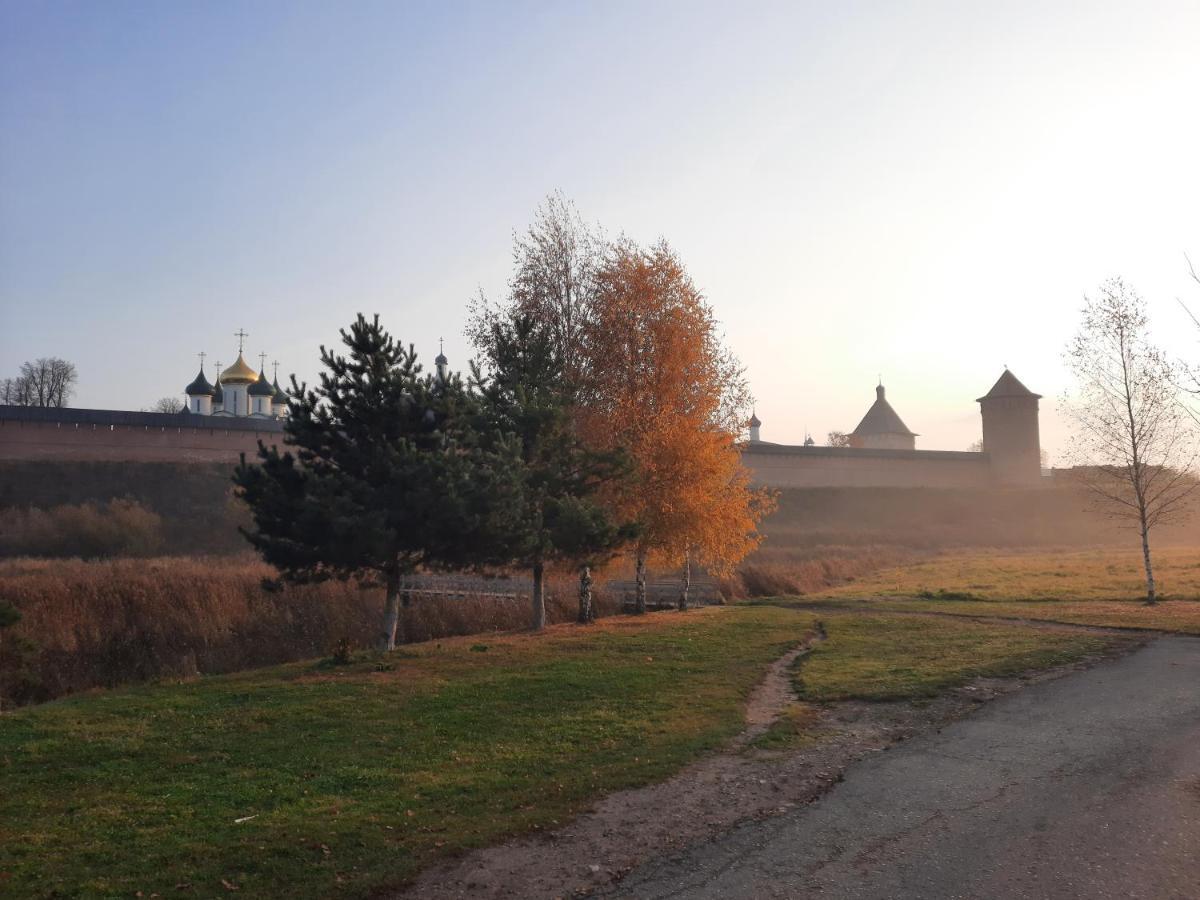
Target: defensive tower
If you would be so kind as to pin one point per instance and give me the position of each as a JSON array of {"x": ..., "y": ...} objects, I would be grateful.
[
  {"x": 1010, "y": 431},
  {"x": 881, "y": 428}
]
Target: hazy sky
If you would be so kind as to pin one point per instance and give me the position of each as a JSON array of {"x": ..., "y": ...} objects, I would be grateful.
[{"x": 923, "y": 191}]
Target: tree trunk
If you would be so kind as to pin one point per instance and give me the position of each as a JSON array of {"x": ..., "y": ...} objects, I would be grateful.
[
  {"x": 639, "y": 604},
  {"x": 539, "y": 598},
  {"x": 687, "y": 580},
  {"x": 1151, "y": 599},
  {"x": 391, "y": 613},
  {"x": 585, "y": 595}
]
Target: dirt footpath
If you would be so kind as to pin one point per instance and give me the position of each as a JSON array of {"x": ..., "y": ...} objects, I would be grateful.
[
  {"x": 702, "y": 802},
  {"x": 1083, "y": 787}
]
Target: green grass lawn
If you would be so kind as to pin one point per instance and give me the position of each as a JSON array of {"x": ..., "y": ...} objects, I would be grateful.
[
  {"x": 356, "y": 777},
  {"x": 351, "y": 779}
]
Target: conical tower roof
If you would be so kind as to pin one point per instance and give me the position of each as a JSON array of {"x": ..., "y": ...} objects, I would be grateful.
[
  {"x": 881, "y": 418},
  {"x": 1008, "y": 385}
]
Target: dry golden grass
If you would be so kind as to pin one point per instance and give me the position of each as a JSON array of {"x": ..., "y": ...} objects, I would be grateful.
[
  {"x": 1106, "y": 574},
  {"x": 104, "y": 623},
  {"x": 1094, "y": 587},
  {"x": 805, "y": 569}
]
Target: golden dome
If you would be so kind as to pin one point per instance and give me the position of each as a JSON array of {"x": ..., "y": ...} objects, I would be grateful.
[{"x": 239, "y": 373}]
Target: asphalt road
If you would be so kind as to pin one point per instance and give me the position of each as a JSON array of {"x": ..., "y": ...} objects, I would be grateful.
[{"x": 1083, "y": 787}]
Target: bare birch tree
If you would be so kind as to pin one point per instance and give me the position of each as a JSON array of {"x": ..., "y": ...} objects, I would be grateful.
[
  {"x": 1190, "y": 373},
  {"x": 1132, "y": 434},
  {"x": 553, "y": 283}
]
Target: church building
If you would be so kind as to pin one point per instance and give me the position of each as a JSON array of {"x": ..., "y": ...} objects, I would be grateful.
[{"x": 239, "y": 391}]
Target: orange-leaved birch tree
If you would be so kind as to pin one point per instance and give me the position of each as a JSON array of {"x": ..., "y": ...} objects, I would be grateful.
[{"x": 659, "y": 384}]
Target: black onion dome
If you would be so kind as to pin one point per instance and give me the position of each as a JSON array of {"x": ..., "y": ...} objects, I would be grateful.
[
  {"x": 200, "y": 387},
  {"x": 218, "y": 394},
  {"x": 262, "y": 387},
  {"x": 280, "y": 394}
]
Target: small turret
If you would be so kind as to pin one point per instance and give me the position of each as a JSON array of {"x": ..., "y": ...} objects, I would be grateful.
[
  {"x": 199, "y": 394},
  {"x": 755, "y": 425},
  {"x": 261, "y": 394},
  {"x": 442, "y": 364},
  {"x": 279, "y": 402},
  {"x": 218, "y": 398}
]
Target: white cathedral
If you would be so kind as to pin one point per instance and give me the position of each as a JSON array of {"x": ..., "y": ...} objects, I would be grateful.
[{"x": 239, "y": 391}]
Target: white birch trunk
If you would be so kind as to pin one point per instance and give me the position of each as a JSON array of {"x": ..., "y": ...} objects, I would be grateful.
[
  {"x": 639, "y": 605},
  {"x": 1151, "y": 598},
  {"x": 391, "y": 613},
  {"x": 586, "y": 613},
  {"x": 539, "y": 598},
  {"x": 687, "y": 580}
]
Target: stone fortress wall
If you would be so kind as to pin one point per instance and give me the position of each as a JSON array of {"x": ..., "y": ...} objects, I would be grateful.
[
  {"x": 1009, "y": 417},
  {"x": 29, "y": 433},
  {"x": 883, "y": 450},
  {"x": 783, "y": 466}
]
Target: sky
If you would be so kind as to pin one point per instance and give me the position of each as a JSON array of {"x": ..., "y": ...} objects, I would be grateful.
[{"x": 922, "y": 192}]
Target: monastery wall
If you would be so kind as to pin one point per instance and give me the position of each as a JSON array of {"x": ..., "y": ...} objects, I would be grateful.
[
  {"x": 114, "y": 436},
  {"x": 106, "y": 435},
  {"x": 782, "y": 466}
]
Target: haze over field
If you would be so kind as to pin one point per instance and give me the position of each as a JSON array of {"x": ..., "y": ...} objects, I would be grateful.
[{"x": 921, "y": 193}]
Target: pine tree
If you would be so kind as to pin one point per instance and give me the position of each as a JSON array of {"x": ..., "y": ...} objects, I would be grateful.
[
  {"x": 380, "y": 474},
  {"x": 560, "y": 517}
]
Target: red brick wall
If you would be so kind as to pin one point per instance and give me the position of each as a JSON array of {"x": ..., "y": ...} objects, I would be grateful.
[{"x": 64, "y": 440}]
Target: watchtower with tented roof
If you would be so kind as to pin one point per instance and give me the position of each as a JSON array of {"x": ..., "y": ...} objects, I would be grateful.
[
  {"x": 1010, "y": 431},
  {"x": 881, "y": 428}
]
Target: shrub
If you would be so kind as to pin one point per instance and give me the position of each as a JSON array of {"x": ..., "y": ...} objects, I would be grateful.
[{"x": 88, "y": 530}]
